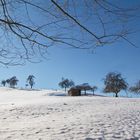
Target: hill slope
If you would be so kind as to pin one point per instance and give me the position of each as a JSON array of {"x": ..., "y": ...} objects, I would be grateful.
[{"x": 33, "y": 115}]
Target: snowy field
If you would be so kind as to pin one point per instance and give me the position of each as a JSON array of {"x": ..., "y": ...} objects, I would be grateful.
[{"x": 34, "y": 115}]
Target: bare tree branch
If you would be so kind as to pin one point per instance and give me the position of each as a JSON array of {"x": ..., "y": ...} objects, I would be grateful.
[
  {"x": 29, "y": 28},
  {"x": 71, "y": 17}
]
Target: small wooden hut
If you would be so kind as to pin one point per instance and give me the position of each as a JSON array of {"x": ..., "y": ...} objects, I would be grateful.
[{"x": 74, "y": 91}]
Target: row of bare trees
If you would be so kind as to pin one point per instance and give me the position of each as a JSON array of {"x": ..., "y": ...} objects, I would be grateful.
[
  {"x": 13, "y": 81},
  {"x": 66, "y": 83},
  {"x": 114, "y": 83}
]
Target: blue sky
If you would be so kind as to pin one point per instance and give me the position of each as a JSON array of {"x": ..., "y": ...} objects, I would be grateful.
[{"x": 82, "y": 66}]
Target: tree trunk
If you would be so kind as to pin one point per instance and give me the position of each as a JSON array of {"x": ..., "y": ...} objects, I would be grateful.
[
  {"x": 126, "y": 93},
  {"x": 93, "y": 92},
  {"x": 65, "y": 89},
  {"x": 85, "y": 92},
  {"x": 79, "y": 92},
  {"x": 116, "y": 94}
]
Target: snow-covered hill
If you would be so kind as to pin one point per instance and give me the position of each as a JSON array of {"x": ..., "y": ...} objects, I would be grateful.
[{"x": 34, "y": 115}]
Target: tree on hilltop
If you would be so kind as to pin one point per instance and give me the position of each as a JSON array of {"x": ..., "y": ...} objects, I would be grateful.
[
  {"x": 3, "y": 83},
  {"x": 31, "y": 81},
  {"x": 84, "y": 87},
  {"x": 114, "y": 83},
  {"x": 135, "y": 88},
  {"x": 12, "y": 81},
  {"x": 93, "y": 89},
  {"x": 66, "y": 83}
]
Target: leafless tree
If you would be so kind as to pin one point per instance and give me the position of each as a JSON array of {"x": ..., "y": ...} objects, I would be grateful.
[
  {"x": 93, "y": 89},
  {"x": 3, "y": 83},
  {"x": 135, "y": 88},
  {"x": 66, "y": 83},
  {"x": 84, "y": 87},
  {"x": 114, "y": 83},
  {"x": 28, "y": 28},
  {"x": 12, "y": 81},
  {"x": 31, "y": 80}
]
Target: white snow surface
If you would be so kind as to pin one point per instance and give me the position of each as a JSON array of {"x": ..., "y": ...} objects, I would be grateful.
[{"x": 35, "y": 115}]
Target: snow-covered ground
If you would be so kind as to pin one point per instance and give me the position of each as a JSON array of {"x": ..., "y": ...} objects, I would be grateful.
[{"x": 34, "y": 115}]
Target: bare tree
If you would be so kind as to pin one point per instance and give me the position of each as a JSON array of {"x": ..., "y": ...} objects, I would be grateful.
[
  {"x": 29, "y": 28},
  {"x": 3, "y": 82},
  {"x": 84, "y": 87},
  {"x": 135, "y": 88},
  {"x": 66, "y": 83},
  {"x": 12, "y": 81},
  {"x": 114, "y": 83},
  {"x": 8, "y": 81},
  {"x": 30, "y": 80},
  {"x": 94, "y": 88}
]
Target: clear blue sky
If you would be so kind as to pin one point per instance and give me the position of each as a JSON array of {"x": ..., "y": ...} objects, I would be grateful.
[{"x": 81, "y": 66}]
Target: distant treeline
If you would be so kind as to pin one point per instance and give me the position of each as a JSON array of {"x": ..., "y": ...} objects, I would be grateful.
[
  {"x": 12, "y": 82},
  {"x": 113, "y": 81}
]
